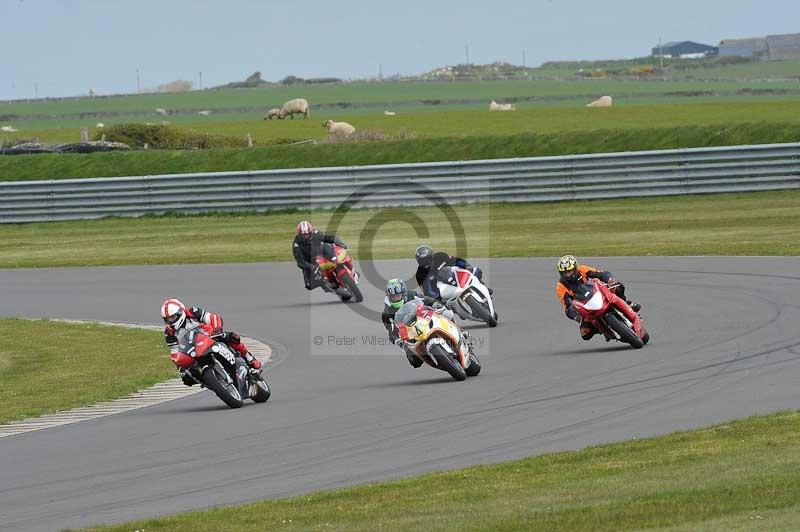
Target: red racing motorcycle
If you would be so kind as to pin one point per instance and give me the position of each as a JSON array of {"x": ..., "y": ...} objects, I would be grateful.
[
  {"x": 338, "y": 272},
  {"x": 610, "y": 314},
  {"x": 219, "y": 368}
]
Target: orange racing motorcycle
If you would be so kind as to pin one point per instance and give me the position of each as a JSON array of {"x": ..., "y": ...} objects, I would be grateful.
[{"x": 436, "y": 340}]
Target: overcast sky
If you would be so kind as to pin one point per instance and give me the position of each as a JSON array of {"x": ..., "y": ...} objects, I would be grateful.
[{"x": 66, "y": 47}]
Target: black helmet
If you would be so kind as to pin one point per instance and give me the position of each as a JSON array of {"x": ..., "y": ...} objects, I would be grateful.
[{"x": 424, "y": 255}]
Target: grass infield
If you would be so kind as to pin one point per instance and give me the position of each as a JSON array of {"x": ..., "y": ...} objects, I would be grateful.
[
  {"x": 48, "y": 366},
  {"x": 743, "y": 475},
  {"x": 758, "y": 223}
]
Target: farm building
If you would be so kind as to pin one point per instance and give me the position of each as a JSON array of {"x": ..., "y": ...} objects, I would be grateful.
[
  {"x": 769, "y": 48},
  {"x": 755, "y": 48},
  {"x": 783, "y": 47},
  {"x": 684, "y": 49}
]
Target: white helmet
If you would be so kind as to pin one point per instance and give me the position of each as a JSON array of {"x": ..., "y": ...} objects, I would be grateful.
[{"x": 173, "y": 312}]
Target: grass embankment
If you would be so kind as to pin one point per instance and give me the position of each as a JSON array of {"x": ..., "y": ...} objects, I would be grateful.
[
  {"x": 739, "y": 476},
  {"x": 764, "y": 223},
  {"x": 492, "y": 144},
  {"x": 47, "y": 366}
]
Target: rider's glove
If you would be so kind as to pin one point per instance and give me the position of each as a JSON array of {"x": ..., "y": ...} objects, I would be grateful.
[
  {"x": 438, "y": 307},
  {"x": 612, "y": 282},
  {"x": 399, "y": 342}
]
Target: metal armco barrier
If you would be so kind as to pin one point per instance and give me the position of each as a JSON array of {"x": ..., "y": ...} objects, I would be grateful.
[{"x": 611, "y": 175}]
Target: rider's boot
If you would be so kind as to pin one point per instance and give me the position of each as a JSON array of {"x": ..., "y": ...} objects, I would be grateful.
[
  {"x": 587, "y": 331},
  {"x": 253, "y": 362},
  {"x": 636, "y": 307},
  {"x": 413, "y": 359}
]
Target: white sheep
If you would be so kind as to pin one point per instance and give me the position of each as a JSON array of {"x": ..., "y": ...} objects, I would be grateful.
[
  {"x": 298, "y": 105},
  {"x": 389, "y": 113},
  {"x": 494, "y": 106},
  {"x": 8, "y": 129},
  {"x": 339, "y": 128},
  {"x": 204, "y": 113},
  {"x": 605, "y": 101},
  {"x": 161, "y": 111},
  {"x": 100, "y": 125},
  {"x": 273, "y": 113}
]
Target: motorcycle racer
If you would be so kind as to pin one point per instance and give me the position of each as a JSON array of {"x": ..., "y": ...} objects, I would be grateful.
[
  {"x": 307, "y": 245},
  {"x": 177, "y": 316},
  {"x": 397, "y": 295},
  {"x": 571, "y": 276},
  {"x": 429, "y": 264}
]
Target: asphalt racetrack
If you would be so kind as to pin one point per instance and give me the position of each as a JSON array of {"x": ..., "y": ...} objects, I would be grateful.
[{"x": 725, "y": 344}]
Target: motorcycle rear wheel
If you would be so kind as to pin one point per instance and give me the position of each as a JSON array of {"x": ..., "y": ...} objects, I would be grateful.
[
  {"x": 262, "y": 391},
  {"x": 625, "y": 333},
  {"x": 474, "y": 368},
  {"x": 226, "y": 392},
  {"x": 447, "y": 363}
]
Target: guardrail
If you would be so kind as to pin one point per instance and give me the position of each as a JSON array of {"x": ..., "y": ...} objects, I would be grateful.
[{"x": 611, "y": 175}]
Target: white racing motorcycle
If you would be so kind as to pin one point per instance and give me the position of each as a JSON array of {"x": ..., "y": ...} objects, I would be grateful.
[{"x": 466, "y": 295}]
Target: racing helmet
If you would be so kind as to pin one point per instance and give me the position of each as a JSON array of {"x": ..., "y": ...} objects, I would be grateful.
[
  {"x": 173, "y": 312},
  {"x": 424, "y": 255},
  {"x": 305, "y": 229},
  {"x": 568, "y": 268},
  {"x": 396, "y": 292}
]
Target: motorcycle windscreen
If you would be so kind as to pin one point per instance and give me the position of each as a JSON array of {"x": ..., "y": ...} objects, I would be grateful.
[
  {"x": 595, "y": 302},
  {"x": 407, "y": 314}
]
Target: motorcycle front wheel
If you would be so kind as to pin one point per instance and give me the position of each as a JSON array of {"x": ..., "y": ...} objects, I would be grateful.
[
  {"x": 445, "y": 362},
  {"x": 625, "y": 333},
  {"x": 481, "y": 312},
  {"x": 352, "y": 287},
  {"x": 224, "y": 390}
]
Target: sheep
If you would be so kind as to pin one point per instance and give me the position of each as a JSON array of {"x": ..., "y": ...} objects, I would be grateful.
[
  {"x": 339, "y": 128},
  {"x": 273, "y": 113},
  {"x": 100, "y": 125},
  {"x": 161, "y": 111},
  {"x": 605, "y": 101},
  {"x": 8, "y": 129},
  {"x": 298, "y": 105},
  {"x": 494, "y": 106},
  {"x": 204, "y": 113},
  {"x": 389, "y": 113}
]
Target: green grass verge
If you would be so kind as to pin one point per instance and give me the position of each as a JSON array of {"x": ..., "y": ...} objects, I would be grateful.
[
  {"x": 744, "y": 475},
  {"x": 764, "y": 223},
  {"x": 48, "y": 366},
  {"x": 493, "y": 144}
]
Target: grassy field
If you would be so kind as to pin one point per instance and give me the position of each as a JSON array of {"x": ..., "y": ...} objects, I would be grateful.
[
  {"x": 51, "y": 366},
  {"x": 765, "y": 223},
  {"x": 743, "y": 475},
  {"x": 365, "y": 99}
]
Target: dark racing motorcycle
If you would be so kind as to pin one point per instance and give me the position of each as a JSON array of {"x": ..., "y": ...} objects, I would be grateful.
[{"x": 219, "y": 368}]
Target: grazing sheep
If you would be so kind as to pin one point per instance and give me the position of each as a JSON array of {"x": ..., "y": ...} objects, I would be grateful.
[
  {"x": 605, "y": 101},
  {"x": 8, "y": 129},
  {"x": 298, "y": 105},
  {"x": 161, "y": 111},
  {"x": 273, "y": 113},
  {"x": 100, "y": 125},
  {"x": 339, "y": 128},
  {"x": 389, "y": 113},
  {"x": 204, "y": 113},
  {"x": 494, "y": 106}
]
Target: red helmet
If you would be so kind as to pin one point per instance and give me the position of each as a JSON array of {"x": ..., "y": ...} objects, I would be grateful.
[
  {"x": 305, "y": 229},
  {"x": 173, "y": 312}
]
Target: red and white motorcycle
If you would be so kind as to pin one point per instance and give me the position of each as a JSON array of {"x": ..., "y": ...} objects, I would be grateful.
[{"x": 466, "y": 295}]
